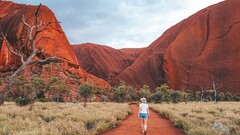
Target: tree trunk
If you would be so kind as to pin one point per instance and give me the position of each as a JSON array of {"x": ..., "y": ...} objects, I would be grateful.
[
  {"x": 202, "y": 96},
  {"x": 215, "y": 91},
  {"x": 85, "y": 102},
  {"x": 7, "y": 88}
]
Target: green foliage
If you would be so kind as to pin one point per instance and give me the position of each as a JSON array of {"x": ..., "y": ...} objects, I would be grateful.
[
  {"x": 22, "y": 92},
  {"x": 163, "y": 87},
  {"x": 210, "y": 95},
  {"x": 165, "y": 91},
  {"x": 229, "y": 96},
  {"x": 157, "y": 97},
  {"x": 100, "y": 90},
  {"x": 86, "y": 91},
  {"x": 120, "y": 93},
  {"x": 133, "y": 94},
  {"x": 145, "y": 92},
  {"x": 123, "y": 93},
  {"x": 221, "y": 96},
  {"x": 175, "y": 96},
  {"x": 188, "y": 95},
  {"x": 23, "y": 101},
  {"x": 38, "y": 86},
  {"x": 1, "y": 81},
  {"x": 57, "y": 88}
]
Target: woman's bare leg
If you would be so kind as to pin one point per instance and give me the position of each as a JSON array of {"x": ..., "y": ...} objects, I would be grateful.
[{"x": 145, "y": 124}]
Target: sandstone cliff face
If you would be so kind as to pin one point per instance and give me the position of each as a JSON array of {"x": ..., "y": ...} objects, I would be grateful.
[
  {"x": 104, "y": 62},
  {"x": 55, "y": 45},
  {"x": 10, "y": 22},
  {"x": 189, "y": 54},
  {"x": 207, "y": 47}
]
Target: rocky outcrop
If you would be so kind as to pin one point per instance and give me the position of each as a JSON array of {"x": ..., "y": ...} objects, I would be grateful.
[
  {"x": 104, "y": 62},
  {"x": 206, "y": 49},
  {"x": 56, "y": 43},
  {"x": 10, "y": 22},
  {"x": 191, "y": 53}
]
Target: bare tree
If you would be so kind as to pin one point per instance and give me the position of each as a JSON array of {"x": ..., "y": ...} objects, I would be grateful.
[
  {"x": 215, "y": 88},
  {"x": 203, "y": 90},
  {"x": 34, "y": 31}
]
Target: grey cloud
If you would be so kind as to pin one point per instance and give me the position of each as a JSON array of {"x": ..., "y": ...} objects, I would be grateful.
[{"x": 108, "y": 21}]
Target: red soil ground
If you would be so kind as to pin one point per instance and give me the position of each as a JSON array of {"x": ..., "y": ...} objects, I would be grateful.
[{"x": 156, "y": 125}]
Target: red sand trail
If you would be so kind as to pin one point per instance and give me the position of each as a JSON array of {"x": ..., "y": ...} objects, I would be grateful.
[{"x": 156, "y": 125}]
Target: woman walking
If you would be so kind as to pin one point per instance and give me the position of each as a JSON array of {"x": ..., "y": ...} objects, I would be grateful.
[{"x": 143, "y": 114}]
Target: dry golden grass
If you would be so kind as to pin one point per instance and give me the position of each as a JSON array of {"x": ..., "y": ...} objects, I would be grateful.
[
  {"x": 60, "y": 118},
  {"x": 203, "y": 118}
]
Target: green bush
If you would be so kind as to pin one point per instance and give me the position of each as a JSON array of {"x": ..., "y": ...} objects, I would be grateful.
[
  {"x": 157, "y": 97},
  {"x": 123, "y": 93},
  {"x": 22, "y": 92},
  {"x": 23, "y": 101},
  {"x": 57, "y": 89},
  {"x": 166, "y": 92},
  {"x": 175, "y": 96},
  {"x": 145, "y": 92},
  {"x": 38, "y": 86},
  {"x": 86, "y": 91},
  {"x": 120, "y": 94}
]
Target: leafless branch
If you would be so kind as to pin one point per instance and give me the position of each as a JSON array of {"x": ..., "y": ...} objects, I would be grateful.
[
  {"x": 24, "y": 22},
  {"x": 45, "y": 28},
  {"x": 202, "y": 92},
  {"x": 9, "y": 48},
  {"x": 47, "y": 59},
  {"x": 33, "y": 32},
  {"x": 37, "y": 16}
]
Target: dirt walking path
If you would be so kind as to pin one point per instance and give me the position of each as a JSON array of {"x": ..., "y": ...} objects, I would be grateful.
[{"x": 156, "y": 125}]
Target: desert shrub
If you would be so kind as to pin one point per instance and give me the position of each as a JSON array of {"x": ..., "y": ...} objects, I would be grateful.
[
  {"x": 120, "y": 93},
  {"x": 22, "y": 92},
  {"x": 133, "y": 94},
  {"x": 22, "y": 101},
  {"x": 1, "y": 81},
  {"x": 186, "y": 96},
  {"x": 237, "y": 98},
  {"x": 38, "y": 86},
  {"x": 229, "y": 96},
  {"x": 166, "y": 92},
  {"x": 175, "y": 96},
  {"x": 124, "y": 93},
  {"x": 210, "y": 95},
  {"x": 221, "y": 96},
  {"x": 86, "y": 91},
  {"x": 145, "y": 92},
  {"x": 157, "y": 97},
  {"x": 56, "y": 89}
]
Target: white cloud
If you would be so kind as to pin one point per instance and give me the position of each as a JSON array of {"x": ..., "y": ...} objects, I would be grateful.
[
  {"x": 126, "y": 44},
  {"x": 120, "y": 23}
]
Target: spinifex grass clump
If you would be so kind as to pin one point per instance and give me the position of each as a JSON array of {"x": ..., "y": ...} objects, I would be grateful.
[
  {"x": 222, "y": 118},
  {"x": 61, "y": 118}
]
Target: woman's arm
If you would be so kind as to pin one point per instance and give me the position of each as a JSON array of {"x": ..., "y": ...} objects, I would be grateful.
[
  {"x": 140, "y": 108},
  {"x": 148, "y": 112}
]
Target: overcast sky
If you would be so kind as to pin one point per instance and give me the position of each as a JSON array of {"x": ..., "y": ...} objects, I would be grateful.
[{"x": 119, "y": 23}]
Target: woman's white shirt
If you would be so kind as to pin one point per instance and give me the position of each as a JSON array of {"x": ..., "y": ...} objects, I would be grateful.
[{"x": 144, "y": 107}]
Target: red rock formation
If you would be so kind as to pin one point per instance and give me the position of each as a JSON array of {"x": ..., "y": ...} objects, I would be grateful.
[
  {"x": 58, "y": 45},
  {"x": 204, "y": 45},
  {"x": 208, "y": 46},
  {"x": 104, "y": 62}
]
